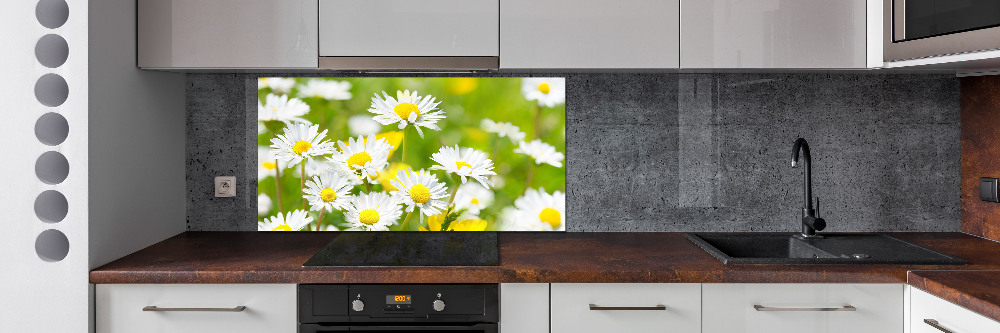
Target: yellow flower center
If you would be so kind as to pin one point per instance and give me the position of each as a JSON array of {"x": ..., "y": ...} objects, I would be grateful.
[
  {"x": 301, "y": 147},
  {"x": 404, "y": 110},
  {"x": 328, "y": 195},
  {"x": 420, "y": 194},
  {"x": 544, "y": 87},
  {"x": 459, "y": 165},
  {"x": 551, "y": 216},
  {"x": 358, "y": 159},
  {"x": 270, "y": 165},
  {"x": 368, "y": 216},
  {"x": 274, "y": 109},
  {"x": 283, "y": 227},
  {"x": 474, "y": 201}
]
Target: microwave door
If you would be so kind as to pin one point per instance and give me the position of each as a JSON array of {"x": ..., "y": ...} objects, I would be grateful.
[{"x": 916, "y": 19}]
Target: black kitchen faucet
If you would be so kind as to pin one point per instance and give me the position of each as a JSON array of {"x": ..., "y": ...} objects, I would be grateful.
[{"x": 810, "y": 222}]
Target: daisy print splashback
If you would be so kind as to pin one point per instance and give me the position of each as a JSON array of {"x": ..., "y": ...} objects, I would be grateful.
[{"x": 411, "y": 154}]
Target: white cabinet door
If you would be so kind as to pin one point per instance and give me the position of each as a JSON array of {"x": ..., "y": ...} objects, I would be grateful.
[
  {"x": 773, "y": 34},
  {"x": 626, "y": 307},
  {"x": 227, "y": 34},
  {"x": 269, "y": 308},
  {"x": 589, "y": 34},
  {"x": 794, "y": 308},
  {"x": 947, "y": 315},
  {"x": 409, "y": 28},
  {"x": 524, "y": 308}
]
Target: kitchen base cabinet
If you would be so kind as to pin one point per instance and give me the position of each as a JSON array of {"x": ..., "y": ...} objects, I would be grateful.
[
  {"x": 196, "y": 308},
  {"x": 524, "y": 308},
  {"x": 626, "y": 307},
  {"x": 802, "y": 308},
  {"x": 930, "y": 314}
]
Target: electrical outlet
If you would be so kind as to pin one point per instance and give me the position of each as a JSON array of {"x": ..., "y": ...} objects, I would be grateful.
[{"x": 225, "y": 186}]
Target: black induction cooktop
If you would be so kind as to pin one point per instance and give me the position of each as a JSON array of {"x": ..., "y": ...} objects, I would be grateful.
[{"x": 405, "y": 248}]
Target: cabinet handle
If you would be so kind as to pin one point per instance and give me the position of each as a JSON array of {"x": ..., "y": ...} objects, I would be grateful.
[
  {"x": 759, "y": 307},
  {"x": 934, "y": 323},
  {"x": 233, "y": 309},
  {"x": 629, "y": 308}
]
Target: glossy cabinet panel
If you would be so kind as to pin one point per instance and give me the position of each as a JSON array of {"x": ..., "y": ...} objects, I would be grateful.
[
  {"x": 773, "y": 34},
  {"x": 589, "y": 34},
  {"x": 409, "y": 28},
  {"x": 268, "y": 308},
  {"x": 626, "y": 307},
  {"x": 524, "y": 308},
  {"x": 227, "y": 34},
  {"x": 802, "y": 308},
  {"x": 944, "y": 314}
]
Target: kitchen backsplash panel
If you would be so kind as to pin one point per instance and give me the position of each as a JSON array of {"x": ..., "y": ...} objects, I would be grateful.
[{"x": 682, "y": 152}]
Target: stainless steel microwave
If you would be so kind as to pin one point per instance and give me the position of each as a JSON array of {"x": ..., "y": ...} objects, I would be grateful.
[{"x": 928, "y": 28}]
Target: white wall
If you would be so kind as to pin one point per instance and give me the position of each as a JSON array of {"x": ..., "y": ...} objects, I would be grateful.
[
  {"x": 137, "y": 185},
  {"x": 36, "y": 295}
]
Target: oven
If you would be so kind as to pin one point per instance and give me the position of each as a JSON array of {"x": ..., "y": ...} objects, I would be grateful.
[
  {"x": 927, "y": 28},
  {"x": 389, "y": 308}
]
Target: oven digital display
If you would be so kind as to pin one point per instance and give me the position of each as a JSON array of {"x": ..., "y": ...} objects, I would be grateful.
[{"x": 397, "y": 299}]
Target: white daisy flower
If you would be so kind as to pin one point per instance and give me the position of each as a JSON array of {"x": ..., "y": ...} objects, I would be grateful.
[
  {"x": 407, "y": 108},
  {"x": 281, "y": 108},
  {"x": 420, "y": 189},
  {"x": 473, "y": 198},
  {"x": 548, "y": 91},
  {"x": 364, "y": 156},
  {"x": 329, "y": 191},
  {"x": 468, "y": 163},
  {"x": 326, "y": 89},
  {"x": 330, "y": 227},
  {"x": 299, "y": 142},
  {"x": 538, "y": 210},
  {"x": 292, "y": 221},
  {"x": 277, "y": 84},
  {"x": 264, "y": 204},
  {"x": 266, "y": 163},
  {"x": 362, "y": 125},
  {"x": 541, "y": 152},
  {"x": 372, "y": 212},
  {"x": 503, "y": 129}
]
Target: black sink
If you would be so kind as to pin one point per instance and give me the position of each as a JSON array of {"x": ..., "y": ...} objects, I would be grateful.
[{"x": 787, "y": 248}]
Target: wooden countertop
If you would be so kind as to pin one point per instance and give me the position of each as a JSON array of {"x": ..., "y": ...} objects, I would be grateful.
[
  {"x": 277, "y": 257},
  {"x": 978, "y": 291}
]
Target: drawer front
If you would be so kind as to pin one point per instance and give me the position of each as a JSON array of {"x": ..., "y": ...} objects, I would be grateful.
[
  {"x": 949, "y": 316},
  {"x": 409, "y": 28},
  {"x": 730, "y": 308},
  {"x": 572, "y": 312},
  {"x": 269, "y": 308}
]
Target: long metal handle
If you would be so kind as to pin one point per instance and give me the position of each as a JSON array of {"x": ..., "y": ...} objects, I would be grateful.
[
  {"x": 759, "y": 307},
  {"x": 935, "y": 324},
  {"x": 628, "y": 308},
  {"x": 233, "y": 309}
]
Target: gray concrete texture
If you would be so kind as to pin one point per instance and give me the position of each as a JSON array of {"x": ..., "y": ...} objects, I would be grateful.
[{"x": 683, "y": 152}]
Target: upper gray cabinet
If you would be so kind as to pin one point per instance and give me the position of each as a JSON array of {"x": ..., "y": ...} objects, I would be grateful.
[
  {"x": 227, "y": 34},
  {"x": 780, "y": 34},
  {"x": 589, "y": 34},
  {"x": 409, "y": 34}
]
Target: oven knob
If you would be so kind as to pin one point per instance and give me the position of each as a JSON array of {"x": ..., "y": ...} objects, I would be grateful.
[
  {"x": 438, "y": 305},
  {"x": 358, "y": 305}
]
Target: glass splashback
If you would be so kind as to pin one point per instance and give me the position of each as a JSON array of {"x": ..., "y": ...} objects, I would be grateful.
[{"x": 411, "y": 154}]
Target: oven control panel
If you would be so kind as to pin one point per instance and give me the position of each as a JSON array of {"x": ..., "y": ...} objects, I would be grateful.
[{"x": 398, "y": 303}]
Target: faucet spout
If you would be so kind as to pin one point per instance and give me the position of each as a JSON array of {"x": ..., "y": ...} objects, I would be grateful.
[{"x": 810, "y": 222}]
